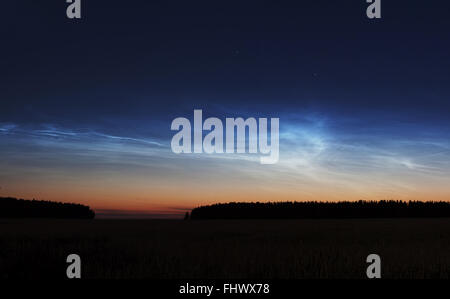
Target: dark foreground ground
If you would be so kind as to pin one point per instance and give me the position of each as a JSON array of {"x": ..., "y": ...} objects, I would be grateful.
[{"x": 256, "y": 249}]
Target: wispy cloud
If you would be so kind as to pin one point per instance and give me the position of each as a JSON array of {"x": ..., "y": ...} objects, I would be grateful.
[{"x": 318, "y": 157}]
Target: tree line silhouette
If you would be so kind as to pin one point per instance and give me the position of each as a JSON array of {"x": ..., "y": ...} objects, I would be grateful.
[
  {"x": 316, "y": 210},
  {"x": 20, "y": 208}
]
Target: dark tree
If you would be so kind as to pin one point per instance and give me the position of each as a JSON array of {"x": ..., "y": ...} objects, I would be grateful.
[
  {"x": 344, "y": 209},
  {"x": 21, "y": 208}
]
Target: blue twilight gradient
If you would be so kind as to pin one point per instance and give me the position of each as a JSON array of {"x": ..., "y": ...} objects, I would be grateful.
[{"x": 361, "y": 102}]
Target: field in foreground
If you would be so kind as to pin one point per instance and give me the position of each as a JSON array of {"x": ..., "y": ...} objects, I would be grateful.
[{"x": 256, "y": 249}]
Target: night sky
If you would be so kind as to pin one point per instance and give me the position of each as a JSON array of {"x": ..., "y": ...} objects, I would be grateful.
[{"x": 86, "y": 105}]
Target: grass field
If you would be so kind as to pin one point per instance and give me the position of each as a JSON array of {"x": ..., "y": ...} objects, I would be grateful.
[{"x": 257, "y": 249}]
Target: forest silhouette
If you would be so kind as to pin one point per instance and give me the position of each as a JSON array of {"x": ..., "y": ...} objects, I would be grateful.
[
  {"x": 317, "y": 210},
  {"x": 20, "y": 208}
]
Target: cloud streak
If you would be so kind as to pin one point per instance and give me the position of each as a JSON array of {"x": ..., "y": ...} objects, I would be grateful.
[{"x": 318, "y": 160}]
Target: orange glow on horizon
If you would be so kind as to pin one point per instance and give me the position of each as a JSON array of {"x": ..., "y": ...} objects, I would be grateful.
[{"x": 174, "y": 201}]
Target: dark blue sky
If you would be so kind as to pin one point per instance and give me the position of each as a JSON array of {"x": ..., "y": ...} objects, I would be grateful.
[
  {"x": 363, "y": 104},
  {"x": 139, "y": 60}
]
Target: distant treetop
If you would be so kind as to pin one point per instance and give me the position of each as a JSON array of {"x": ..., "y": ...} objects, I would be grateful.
[
  {"x": 317, "y": 209},
  {"x": 20, "y": 208}
]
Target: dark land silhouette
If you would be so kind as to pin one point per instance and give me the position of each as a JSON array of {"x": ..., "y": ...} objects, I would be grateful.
[
  {"x": 318, "y": 210},
  {"x": 225, "y": 249},
  {"x": 232, "y": 248},
  {"x": 20, "y": 208}
]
